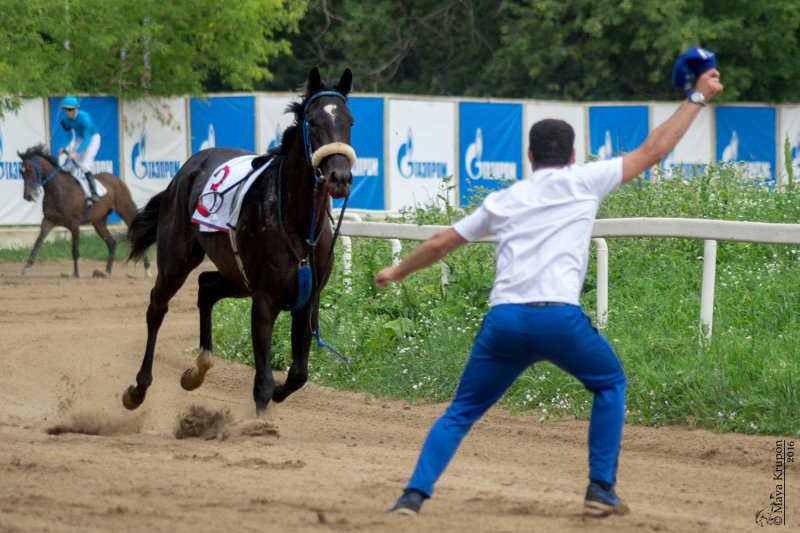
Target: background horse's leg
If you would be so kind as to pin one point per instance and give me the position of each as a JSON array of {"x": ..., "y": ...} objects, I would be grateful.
[
  {"x": 302, "y": 321},
  {"x": 102, "y": 230},
  {"x": 171, "y": 277},
  {"x": 44, "y": 230},
  {"x": 75, "y": 229},
  {"x": 262, "y": 321},
  {"x": 212, "y": 287}
]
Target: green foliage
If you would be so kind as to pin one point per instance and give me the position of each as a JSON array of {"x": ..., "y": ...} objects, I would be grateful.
[
  {"x": 134, "y": 49},
  {"x": 583, "y": 50}
]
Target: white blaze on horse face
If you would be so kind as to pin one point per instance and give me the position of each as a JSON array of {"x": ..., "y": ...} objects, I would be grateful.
[{"x": 330, "y": 109}]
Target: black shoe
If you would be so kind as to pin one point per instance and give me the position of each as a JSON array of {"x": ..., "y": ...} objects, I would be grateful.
[
  {"x": 602, "y": 502},
  {"x": 409, "y": 503}
]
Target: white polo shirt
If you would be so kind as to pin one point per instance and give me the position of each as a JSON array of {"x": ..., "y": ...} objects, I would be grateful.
[{"x": 542, "y": 227}]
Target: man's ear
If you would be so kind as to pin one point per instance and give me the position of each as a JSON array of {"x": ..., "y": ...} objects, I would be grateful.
[
  {"x": 530, "y": 156},
  {"x": 571, "y": 157}
]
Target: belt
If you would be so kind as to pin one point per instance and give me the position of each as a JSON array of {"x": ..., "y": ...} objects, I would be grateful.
[{"x": 545, "y": 304}]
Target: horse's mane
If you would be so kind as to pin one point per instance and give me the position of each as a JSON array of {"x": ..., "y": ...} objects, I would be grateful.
[
  {"x": 298, "y": 108},
  {"x": 39, "y": 150}
]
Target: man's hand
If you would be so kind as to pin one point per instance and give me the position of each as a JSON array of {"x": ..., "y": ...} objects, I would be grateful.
[
  {"x": 708, "y": 83},
  {"x": 386, "y": 275}
]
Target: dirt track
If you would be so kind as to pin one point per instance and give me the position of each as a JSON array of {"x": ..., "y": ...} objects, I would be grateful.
[{"x": 323, "y": 460}]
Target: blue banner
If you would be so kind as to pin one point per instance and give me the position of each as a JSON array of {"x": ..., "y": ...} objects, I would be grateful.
[
  {"x": 223, "y": 121},
  {"x": 616, "y": 130},
  {"x": 366, "y": 137},
  {"x": 747, "y": 135},
  {"x": 489, "y": 148},
  {"x": 103, "y": 110}
]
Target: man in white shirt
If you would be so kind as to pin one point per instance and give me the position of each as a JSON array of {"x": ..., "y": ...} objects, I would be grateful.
[{"x": 542, "y": 229}]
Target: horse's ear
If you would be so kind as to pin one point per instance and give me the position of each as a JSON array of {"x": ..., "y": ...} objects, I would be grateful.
[
  {"x": 345, "y": 82},
  {"x": 313, "y": 82}
]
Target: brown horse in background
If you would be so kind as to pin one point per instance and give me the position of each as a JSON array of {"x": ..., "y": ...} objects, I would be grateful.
[{"x": 65, "y": 204}]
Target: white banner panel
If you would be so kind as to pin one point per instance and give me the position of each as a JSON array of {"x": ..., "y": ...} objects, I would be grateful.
[
  {"x": 272, "y": 120},
  {"x": 571, "y": 114},
  {"x": 154, "y": 145},
  {"x": 695, "y": 146},
  {"x": 789, "y": 120},
  {"x": 18, "y": 132},
  {"x": 421, "y": 152}
]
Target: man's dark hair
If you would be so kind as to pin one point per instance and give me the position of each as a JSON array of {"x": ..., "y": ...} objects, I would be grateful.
[{"x": 551, "y": 142}]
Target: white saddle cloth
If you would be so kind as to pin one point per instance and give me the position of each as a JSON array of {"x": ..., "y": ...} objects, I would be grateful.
[{"x": 221, "y": 201}]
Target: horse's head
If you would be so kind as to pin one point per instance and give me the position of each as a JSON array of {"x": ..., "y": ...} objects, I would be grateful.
[
  {"x": 37, "y": 167},
  {"x": 326, "y": 132}
]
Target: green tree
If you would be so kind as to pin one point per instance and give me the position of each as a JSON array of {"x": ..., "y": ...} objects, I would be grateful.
[
  {"x": 583, "y": 50},
  {"x": 147, "y": 47},
  {"x": 399, "y": 46}
]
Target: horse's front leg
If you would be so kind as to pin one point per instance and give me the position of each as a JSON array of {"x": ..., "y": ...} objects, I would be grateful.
[
  {"x": 262, "y": 322},
  {"x": 301, "y": 344},
  {"x": 46, "y": 227}
]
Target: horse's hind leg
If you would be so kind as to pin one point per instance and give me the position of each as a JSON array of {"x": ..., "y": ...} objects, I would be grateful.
[
  {"x": 46, "y": 227},
  {"x": 76, "y": 241},
  {"x": 212, "y": 287},
  {"x": 170, "y": 278},
  {"x": 102, "y": 230}
]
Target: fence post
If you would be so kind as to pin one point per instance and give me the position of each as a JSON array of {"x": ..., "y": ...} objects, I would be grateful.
[
  {"x": 602, "y": 281},
  {"x": 707, "y": 290},
  {"x": 347, "y": 263}
]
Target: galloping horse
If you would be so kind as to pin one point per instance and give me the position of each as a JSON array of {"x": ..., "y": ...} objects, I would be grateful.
[
  {"x": 282, "y": 246},
  {"x": 64, "y": 203}
]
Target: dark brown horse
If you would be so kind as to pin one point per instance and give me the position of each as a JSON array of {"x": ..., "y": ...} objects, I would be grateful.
[
  {"x": 282, "y": 240},
  {"x": 65, "y": 204}
]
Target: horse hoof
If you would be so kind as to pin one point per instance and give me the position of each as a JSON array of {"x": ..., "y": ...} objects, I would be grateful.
[
  {"x": 128, "y": 399},
  {"x": 192, "y": 378},
  {"x": 189, "y": 379},
  {"x": 26, "y": 271}
]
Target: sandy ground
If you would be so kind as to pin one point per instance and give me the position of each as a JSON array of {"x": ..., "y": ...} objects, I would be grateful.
[{"x": 73, "y": 459}]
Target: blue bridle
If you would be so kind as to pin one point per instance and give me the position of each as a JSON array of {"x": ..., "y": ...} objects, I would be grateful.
[
  {"x": 317, "y": 172},
  {"x": 39, "y": 171},
  {"x": 307, "y": 134}
]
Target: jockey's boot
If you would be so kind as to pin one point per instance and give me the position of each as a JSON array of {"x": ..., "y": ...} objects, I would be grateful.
[{"x": 92, "y": 188}]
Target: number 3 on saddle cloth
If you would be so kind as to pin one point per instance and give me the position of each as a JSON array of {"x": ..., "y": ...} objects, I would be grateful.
[{"x": 219, "y": 204}]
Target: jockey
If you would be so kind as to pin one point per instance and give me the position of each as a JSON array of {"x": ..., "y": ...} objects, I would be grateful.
[{"x": 87, "y": 134}]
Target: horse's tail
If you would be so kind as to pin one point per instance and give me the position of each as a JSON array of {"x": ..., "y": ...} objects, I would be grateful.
[{"x": 142, "y": 230}]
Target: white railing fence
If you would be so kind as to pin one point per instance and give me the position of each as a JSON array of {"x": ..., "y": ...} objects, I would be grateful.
[{"x": 710, "y": 231}]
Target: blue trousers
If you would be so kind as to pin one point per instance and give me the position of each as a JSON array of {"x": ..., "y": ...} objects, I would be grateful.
[{"x": 512, "y": 338}]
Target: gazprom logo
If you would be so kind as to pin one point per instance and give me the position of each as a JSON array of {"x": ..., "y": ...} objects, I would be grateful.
[
  {"x": 211, "y": 140},
  {"x": 488, "y": 170},
  {"x": 143, "y": 168},
  {"x": 9, "y": 170},
  {"x": 795, "y": 154},
  {"x": 409, "y": 168}
]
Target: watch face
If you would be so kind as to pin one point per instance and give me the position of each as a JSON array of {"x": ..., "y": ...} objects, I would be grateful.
[{"x": 698, "y": 98}]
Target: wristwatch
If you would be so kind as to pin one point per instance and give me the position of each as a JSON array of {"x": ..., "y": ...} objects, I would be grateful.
[{"x": 697, "y": 98}]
